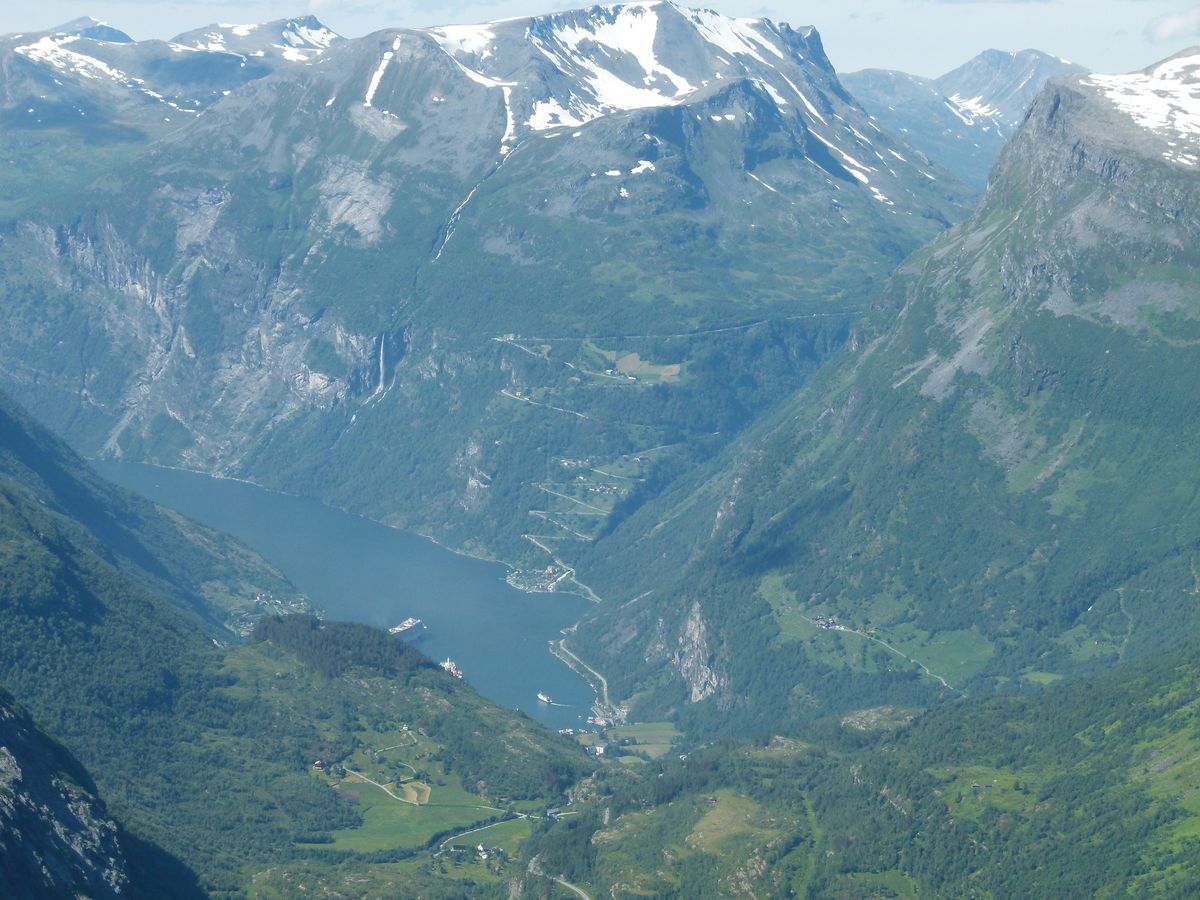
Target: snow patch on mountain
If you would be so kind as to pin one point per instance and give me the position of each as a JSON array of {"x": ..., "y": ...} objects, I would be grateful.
[
  {"x": 54, "y": 51},
  {"x": 1165, "y": 100},
  {"x": 973, "y": 111},
  {"x": 475, "y": 40},
  {"x": 239, "y": 30},
  {"x": 552, "y": 114},
  {"x": 633, "y": 32},
  {"x": 377, "y": 76},
  {"x": 615, "y": 54},
  {"x": 626, "y": 32},
  {"x": 309, "y": 33},
  {"x": 295, "y": 40},
  {"x": 738, "y": 37}
]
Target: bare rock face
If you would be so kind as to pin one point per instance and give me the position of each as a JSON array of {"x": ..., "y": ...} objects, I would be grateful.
[
  {"x": 56, "y": 838},
  {"x": 694, "y": 660}
]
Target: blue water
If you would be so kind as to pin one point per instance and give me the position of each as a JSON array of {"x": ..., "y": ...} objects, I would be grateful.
[{"x": 358, "y": 570}]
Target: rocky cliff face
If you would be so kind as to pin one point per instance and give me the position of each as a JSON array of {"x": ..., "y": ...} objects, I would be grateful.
[
  {"x": 693, "y": 658},
  {"x": 686, "y": 648},
  {"x": 56, "y": 839}
]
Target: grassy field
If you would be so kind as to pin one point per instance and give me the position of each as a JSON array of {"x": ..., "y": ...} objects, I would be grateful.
[
  {"x": 878, "y": 884},
  {"x": 793, "y": 626},
  {"x": 955, "y": 655},
  {"x": 655, "y": 739},
  {"x": 838, "y": 648},
  {"x": 1042, "y": 677},
  {"x": 730, "y": 817},
  {"x": 970, "y": 791},
  {"x": 1084, "y": 644},
  {"x": 627, "y": 363},
  {"x": 389, "y": 824},
  {"x": 463, "y": 875}
]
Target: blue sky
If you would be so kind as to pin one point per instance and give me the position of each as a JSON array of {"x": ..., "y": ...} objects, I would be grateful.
[{"x": 926, "y": 37}]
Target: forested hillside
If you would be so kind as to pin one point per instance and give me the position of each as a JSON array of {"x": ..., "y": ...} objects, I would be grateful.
[
  {"x": 1080, "y": 790},
  {"x": 207, "y": 747}
]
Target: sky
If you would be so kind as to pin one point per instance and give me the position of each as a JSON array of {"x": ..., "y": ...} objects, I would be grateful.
[{"x": 924, "y": 37}]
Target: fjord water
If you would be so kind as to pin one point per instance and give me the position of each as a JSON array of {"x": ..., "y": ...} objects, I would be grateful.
[{"x": 358, "y": 570}]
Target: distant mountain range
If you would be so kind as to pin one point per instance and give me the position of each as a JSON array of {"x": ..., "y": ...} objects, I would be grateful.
[
  {"x": 962, "y": 119},
  {"x": 405, "y": 270}
]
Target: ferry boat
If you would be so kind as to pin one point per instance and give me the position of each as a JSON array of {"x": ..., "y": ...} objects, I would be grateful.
[
  {"x": 449, "y": 665},
  {"x": 544, "y": 697},
  {"x": 407, "y": 625}
]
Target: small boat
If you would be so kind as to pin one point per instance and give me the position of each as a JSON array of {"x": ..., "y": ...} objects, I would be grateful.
[
  {"x": 544, "y": 697},
  {"x": 448, "y": 665},
  {"x": 407, "y": 625}
]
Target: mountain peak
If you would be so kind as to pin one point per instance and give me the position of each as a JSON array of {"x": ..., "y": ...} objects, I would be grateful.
[
  {"x": 86, "y": 26},
  {"x": 997, "y": 86},
  {"x": 963, "y": 118},
  {"x": 628, "y": 56}
]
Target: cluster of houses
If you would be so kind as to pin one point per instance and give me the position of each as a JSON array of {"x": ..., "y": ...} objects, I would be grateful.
[
  {"x": 613, "y": 373},
  {"x": 334, "y": 769},
  {"x": 480, "y": 851},
  {"x": 829, "y": 622}
]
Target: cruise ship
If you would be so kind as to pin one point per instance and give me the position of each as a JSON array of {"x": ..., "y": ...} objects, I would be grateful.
[
  {"x": 544, "y": 697},
  {"x": 407, "y": 625}
]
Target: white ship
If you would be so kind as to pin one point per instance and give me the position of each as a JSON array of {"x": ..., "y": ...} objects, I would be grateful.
[
  {"x": 544, "y": 697},
  {"x": 407, "y": 625}
]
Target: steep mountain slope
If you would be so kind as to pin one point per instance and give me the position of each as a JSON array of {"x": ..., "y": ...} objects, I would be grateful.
[
  {"x": 963, "y": 118},
  {"x": 55, "y": 836},
  {"x": 214, "y": 580},
  {"x": 993, "y": 483},
  {"x": 428, "y": 274},
  {"x": 1080, "y": 790},
  {"x": 208, "y": 749}
]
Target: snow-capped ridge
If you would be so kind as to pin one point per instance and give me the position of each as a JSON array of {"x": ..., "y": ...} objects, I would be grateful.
[
  {"x": 566, "y": 69},
  {"x": 57, "y": 51},
  {"x": 1163, "y": 99},
  {"x": 159, "y": 72},
  {"x": 301, "y": 39},
  {"x": 627, "y": 56}
]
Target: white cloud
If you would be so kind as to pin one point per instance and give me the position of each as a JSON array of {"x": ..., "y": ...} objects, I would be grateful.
[{"x": 1185, "y": 24}]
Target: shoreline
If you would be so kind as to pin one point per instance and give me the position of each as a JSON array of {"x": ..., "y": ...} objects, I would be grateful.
[
  {"x": 584, "y": 591},
  {"x": 589, "y": 596}
]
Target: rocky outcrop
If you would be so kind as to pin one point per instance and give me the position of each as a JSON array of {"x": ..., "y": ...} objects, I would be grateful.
[
  {"x": 56, "y": 838},
  {"x": 688, "y": 653},
  {"x": 694, "y": 660}
]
